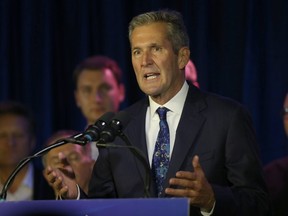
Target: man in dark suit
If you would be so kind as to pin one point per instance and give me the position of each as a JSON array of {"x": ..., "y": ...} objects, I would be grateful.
[
  {"x": 98, "y": 89},
  {"x": 208, "y": 151}
]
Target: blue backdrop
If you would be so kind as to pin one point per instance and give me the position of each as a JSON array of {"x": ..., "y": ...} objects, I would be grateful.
[{"x": 239, "y": 47}]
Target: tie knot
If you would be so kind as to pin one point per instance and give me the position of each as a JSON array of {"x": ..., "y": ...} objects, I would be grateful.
[{"x": 162, "y": 111}]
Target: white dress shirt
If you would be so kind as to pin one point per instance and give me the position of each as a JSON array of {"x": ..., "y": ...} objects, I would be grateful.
[
  {"x": 94, "y": 151},
  {"x": 175, "y": 106},
  {"x": 25, "y": 190}
]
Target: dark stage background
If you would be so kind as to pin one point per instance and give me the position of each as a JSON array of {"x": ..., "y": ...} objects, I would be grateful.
[{"x": 239, "y": 47}]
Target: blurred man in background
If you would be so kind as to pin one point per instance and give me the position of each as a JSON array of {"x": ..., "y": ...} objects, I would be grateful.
[
  {"x": 17, "y": 141},
  {"x": 98, "y": 89},
  {"x": 75, "y": 160}
]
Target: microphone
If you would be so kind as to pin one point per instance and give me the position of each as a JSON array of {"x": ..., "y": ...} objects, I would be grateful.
[
  {"x": 26, "y": 160},
  {"x": 92, "y": 133},
  {"x": 115, "y": 127}
]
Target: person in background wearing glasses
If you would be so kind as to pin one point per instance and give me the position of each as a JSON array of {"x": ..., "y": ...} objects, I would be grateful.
[
  {"x": 17, "y": 141},
  {"x": 276, "y": 174}
]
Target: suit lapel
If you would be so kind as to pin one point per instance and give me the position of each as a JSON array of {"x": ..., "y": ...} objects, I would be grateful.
[
  {"x": 137, "y": 137},
  {"x": 189, "y": 125}
]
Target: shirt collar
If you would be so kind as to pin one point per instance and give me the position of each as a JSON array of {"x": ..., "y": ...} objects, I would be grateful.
[
  {"x": 28, "y": 180},
  {"x": 175, "y": 104}
]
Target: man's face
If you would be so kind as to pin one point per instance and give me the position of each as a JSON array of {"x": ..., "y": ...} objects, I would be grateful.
[
  {"x": 97, "y": 93},
  {"x": 68, "y": 156},
  {"x": 16, "y": 142},
  {"x": 285, "y": 117},
  {"x": 157, "y": 67}
]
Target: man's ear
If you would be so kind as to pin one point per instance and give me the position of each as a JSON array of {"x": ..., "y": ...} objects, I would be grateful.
[{"x": 183, "y": 57}]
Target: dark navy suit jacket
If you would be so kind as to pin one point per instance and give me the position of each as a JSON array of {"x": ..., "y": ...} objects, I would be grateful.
[{"x": 217, "y": 129}]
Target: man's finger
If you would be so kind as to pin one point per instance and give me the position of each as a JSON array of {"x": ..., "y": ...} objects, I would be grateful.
[
  {"x": 196, "y": 165},
  {"x": 195, "y": 162}
]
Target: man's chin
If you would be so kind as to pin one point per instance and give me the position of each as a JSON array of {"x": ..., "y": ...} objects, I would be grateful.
[{"x": 97, "y": 116}]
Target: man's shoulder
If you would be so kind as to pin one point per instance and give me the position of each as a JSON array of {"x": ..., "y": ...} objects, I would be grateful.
[
  {"x": 137, "y": 107},
  {"x": 213, "y": 102}
]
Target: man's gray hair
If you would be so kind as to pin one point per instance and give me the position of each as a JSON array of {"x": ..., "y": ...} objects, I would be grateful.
[{"x": 176, "y": 29}]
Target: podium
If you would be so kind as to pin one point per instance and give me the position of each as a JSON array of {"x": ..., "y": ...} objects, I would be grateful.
[{"x": 97, "y": 207}]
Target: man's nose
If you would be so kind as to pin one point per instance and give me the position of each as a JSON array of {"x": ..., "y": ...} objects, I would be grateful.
[
  {"x": 97, "y": 95},
  {"x": 62, "y": 157},
  {"x": 146, "y": 58},
  {"x": 10, "y": 140}
]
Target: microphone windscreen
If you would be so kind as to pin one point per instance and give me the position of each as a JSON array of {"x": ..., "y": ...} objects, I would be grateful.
[
  {"x": 106, "y": 117},
  {"x": 93, "y": 131},
  {"x": 120, "y": 120}
]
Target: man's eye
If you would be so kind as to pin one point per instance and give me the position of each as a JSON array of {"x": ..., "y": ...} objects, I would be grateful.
[
  {"x": 105, "y": 88},
  {"x": 86, "y": 90},
  {"x": 18, "y": 135},
  {"x": 2, "y": 135},
  {"x": 73, "y": 157},
  {"x": 156, "y": 49},
  {"x": 55, "y": 162},
  {"x": 136, "y": 52}
]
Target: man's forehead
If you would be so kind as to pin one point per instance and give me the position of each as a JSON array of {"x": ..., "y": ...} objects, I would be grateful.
[
  {"x": 96, "y": 76},
  {"x": 65, "y": 147}
]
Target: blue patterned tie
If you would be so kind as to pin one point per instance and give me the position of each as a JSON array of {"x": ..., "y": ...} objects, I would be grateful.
[{"x": 160, "y": 161}]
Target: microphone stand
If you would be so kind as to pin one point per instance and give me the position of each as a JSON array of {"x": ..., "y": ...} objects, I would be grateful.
[
  {"x": 23, "y": 162},
  {"x": 138, "y": 153}
]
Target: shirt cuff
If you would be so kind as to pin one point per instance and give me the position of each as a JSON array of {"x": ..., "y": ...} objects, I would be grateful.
[
  {"x": 59, "y": 197},
  {"x": 208, "y": 213},
  {"x": 78, "y": 193}
]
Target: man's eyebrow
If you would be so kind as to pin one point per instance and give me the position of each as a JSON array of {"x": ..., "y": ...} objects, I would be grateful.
[{"x": 54, "y": 157}]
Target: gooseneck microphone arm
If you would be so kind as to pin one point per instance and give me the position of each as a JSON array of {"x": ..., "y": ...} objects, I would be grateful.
[
  {"x": 26, "y": 160},
  {"x": 92, "y": 132}
]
